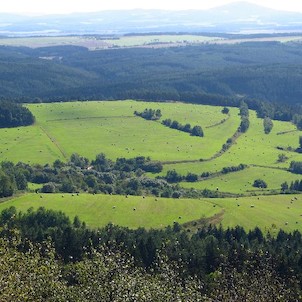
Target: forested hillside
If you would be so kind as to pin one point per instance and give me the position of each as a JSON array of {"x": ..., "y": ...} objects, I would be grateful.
[{"x": 263, "y": 70}]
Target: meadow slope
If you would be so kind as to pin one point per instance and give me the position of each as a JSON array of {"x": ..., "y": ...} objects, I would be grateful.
[
  {"x": 270, "y": 213},
  {"x": 90, "y": 128}
]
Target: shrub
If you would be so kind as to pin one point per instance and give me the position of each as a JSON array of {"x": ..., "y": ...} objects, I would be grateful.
[{"x": 259, "y": 183}]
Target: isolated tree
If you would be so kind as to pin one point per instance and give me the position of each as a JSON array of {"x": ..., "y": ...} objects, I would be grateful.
[
  {"x": 282, "y": 158},
  {"x": 225, "y": 110},
  {"x": 284, "y": 186},
  {"x": 268, "y": 125},
  {"x": 259, "y": 183},
  {"x": 197, "y": 131}
]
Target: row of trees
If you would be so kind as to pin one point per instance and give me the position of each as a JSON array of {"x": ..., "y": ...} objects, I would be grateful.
[
  {"x": 296, "y": 167},
  {"x": 244, "y": 113},
  {"x": 195, "y": 131},
  {"x": 173, "y": 177}
]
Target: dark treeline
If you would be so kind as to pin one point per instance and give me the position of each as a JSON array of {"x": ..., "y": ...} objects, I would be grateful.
[
  {"x": 210, "y": 254},
  {"x": 294, "y": 186},
  {"x": 205, "y": 74},
  {"x": 14, "y": 115},
  {"x": 296, "y": 167}
]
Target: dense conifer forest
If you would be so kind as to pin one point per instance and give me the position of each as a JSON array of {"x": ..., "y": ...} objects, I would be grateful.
[{"x": 264, "y": 71}]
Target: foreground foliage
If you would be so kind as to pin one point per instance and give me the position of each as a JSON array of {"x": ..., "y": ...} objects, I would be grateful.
[
  {"x": 32, "y": 272},
  {"x": 117, "y": 264}
]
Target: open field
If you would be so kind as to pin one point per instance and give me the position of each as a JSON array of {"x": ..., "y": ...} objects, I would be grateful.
[
  {"x": 89, "y": 128},
  {"x": 99, "y": 43},
  {"x": 35, "y": 42},
  {"x": 98, "y": 210},
  {"x": 27, "y": 144},
  {"x": 241, "y": 182},
  {"x": 270, "y": 213},
  {"x": 153, "y": 40},
  {"x": 254, "y": 148}
]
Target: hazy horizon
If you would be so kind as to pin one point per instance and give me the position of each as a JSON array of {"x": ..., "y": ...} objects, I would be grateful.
[{"x": 45, "y": 7}]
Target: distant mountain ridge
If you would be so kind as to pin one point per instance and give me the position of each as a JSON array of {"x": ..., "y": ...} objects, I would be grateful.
[{"x": 235, "y": 17}]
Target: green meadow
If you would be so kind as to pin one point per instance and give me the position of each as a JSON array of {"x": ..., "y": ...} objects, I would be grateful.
[
  {"x": 95, "y": 43},
  {"x": 89, "y": 128},
  {"x": 133, "y": 211},
  {"x": 110, "y": 127},
  {"x": 267, "y": 212},
  {"x": 253, "y": 148},
  {"x": 131, "y": 41},
  {"x": 241, "y": 182}
]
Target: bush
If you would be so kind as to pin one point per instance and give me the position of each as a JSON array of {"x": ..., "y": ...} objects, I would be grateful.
[
  {"x": 191, "y": 177},
  {"x": 173, "y": 176},
  {"x": 259, "y": 183},
  {"x": 197, "y": 131},
  {"x": 48, "y": 188},
  {"x": 268, "y": 125},
  {"x": 225, "y": 110}
]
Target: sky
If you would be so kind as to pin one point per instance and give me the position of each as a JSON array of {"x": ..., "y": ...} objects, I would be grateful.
[{"x": 33, "y": 7}]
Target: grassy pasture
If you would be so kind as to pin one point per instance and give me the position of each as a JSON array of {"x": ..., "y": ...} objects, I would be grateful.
[
  {"x": 94, "y": 43},
  {"x": 98, "y": 210},
  {"x": 89, "y": 128},
  {"x": 131, "y": 41},
  {"x": 252, "y": 148},
  {"x": 270, "y": 213},
  {"x": 241, "y": 182},
  {"x": 256, "y": 147},
  {"x": 27, "y": 144},
  {"x": 35, "y": 42}
]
